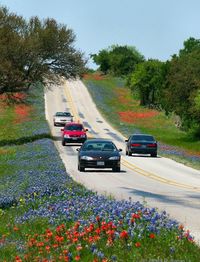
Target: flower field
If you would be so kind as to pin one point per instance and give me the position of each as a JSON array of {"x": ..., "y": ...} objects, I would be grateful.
[
  {"x": 122, "y": 110},
  {"x": 47, "y": 217}
]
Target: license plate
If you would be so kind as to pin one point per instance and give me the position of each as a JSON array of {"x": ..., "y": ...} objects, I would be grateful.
[
  {"x": 100, "y": 163},
  {"x": 143, "y": 146},
  {"x": 74, "y": 138}
]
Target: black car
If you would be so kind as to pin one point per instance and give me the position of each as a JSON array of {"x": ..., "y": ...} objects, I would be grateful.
[
  {"x": 141, "y": 144},
  {"x": 99, "y": 153}
]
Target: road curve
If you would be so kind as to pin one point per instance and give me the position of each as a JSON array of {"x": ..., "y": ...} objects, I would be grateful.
[{"x": 158, "y": 182}]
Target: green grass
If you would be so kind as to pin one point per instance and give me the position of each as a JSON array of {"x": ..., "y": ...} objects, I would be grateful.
[{"x": 112, "y": 97}]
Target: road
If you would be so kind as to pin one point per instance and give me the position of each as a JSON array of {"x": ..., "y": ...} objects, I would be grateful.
[{"x": 157, "y": 182}]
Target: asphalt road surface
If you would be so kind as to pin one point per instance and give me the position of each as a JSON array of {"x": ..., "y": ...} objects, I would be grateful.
[{"x": 157, "y": 182}]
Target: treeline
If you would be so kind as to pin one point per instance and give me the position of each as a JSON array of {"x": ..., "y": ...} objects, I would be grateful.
[
  {"x": 172, "y": 86},
  {"x": 35, "y": 51}
]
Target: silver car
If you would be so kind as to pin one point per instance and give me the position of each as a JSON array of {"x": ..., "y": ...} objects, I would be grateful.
[{"x": 61, "y": 118}]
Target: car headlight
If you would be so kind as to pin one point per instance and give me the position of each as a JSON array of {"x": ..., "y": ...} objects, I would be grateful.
[
  {"x": 66, "y": 136},
  {"x": 83, "y": 135},
  {"x": 86, "y": 158},
  {"x": 114, "y": 158}
]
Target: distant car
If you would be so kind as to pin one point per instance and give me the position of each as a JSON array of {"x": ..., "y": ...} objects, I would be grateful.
[
  {"x": 99, "y": 153},
  {"x": 61, "y": 118},
  {"x": 141, "y": 144},
  {"x": 73, "y": 133}
]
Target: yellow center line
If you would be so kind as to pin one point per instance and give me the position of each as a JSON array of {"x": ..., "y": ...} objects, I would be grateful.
[
  {"x": 125, "y": 163},
  {"x": 156, "y": 177},
  {"x": 72, "y": 106}
]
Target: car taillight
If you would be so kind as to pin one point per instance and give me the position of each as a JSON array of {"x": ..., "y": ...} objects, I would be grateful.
[
  {"x": 152, "y": 145},
  {"x": 135, "y": 144}
]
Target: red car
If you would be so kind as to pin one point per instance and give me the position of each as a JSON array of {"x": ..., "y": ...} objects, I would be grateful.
[{"x": 73, "y": 133}]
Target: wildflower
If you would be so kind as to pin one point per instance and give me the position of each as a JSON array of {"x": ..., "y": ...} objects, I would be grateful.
[
  {"x": 15, "y": 228},
  {"x": 77, "y": 258},
  {"x": 152, "y": 235},
  {"x": 124, "y": 234},
  {"x": 47, "y": 248},
  {"x": 18, "y": 259},
  {"x": 138, "y": 244}
]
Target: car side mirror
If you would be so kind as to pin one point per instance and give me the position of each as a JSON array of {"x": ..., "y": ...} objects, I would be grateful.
[
  {"x": 120, "y": 150},
  {"x": 78, "y": 149},
  {"x": 126, "y": 140},
  {"x": 86, "y": 130},
  {"x": 62, "y": 129}
]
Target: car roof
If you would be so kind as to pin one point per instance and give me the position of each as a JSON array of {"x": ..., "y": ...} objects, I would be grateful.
[{"x": 141, "y": 135}]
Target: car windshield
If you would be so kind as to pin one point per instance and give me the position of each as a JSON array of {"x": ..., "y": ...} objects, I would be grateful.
[
  {"x": 66, "y": 114},
  {"x": 99, "y": 146},
  {"x": 74, "y": 127},
  {"x": 142, "y": 138}
]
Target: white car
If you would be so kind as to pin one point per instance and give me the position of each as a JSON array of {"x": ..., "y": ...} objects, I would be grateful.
[{"x": 61, "y": 118}]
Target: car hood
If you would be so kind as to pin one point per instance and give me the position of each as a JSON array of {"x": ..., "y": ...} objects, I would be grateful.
[
  {"x": 62, "y": 117},
  {"x": 70, "y": 132}
]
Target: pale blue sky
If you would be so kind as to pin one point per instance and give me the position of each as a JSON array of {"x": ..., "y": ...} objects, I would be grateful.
[{"x": 157, "y": 28}]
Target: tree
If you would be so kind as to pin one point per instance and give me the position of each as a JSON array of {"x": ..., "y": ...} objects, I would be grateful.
[
  {"x": 147, "y": 80},
  {"x": 35, "y": 51},
  {"x": 102, "y": 59},
  {"x": 183, "y": 87},
  {"x": 189, "y": 45},
  {"x": 118, "y": 60}
]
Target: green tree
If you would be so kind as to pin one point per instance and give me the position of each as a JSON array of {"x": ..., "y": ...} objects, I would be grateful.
[
  {"x": 118, "y": 60},
  {"x": 148, "y": 79},
  {"x": 183, "y": 87},
  {"x": 189, "y": 45},
  {"x": 35, "y": 51},
  {"x": 102, "y": 60}
]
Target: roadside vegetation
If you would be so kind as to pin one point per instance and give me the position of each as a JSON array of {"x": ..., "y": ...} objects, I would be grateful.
[
  {"x": 123, "y": 110},
  {"x": 43, "y": 212},
  {"x": 46, "y": 216}
]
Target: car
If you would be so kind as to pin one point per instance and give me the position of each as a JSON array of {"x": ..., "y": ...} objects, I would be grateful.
[
  {"x": 73, "y": 132},
  {"x": 141, "y": 144},
  {"x": 99, "y": 153},
  {"x": 61, "y": 118}
]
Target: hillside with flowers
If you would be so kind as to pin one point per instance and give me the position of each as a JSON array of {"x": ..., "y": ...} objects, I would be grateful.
[
  {"x": 123, "y": 110},
  {"x": 43, "y": 212}
]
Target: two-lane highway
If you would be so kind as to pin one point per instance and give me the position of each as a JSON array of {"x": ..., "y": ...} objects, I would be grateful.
[{"x": 158, "y": 182}]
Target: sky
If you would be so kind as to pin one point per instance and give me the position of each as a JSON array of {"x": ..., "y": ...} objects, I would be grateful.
[{"x": 157, "y": 28}]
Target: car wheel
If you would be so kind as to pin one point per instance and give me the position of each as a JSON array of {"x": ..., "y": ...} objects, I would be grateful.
[
  {"x": 129, "y": 153},
  {"x": 126, "y": 153},
  {"x": 81, "y": 169},
  {"x": 154, "y": 155},
  {"x": 116, "y": 169},
  {"x": 54, "y": 124},
  {"x": 63, "y": 142}
]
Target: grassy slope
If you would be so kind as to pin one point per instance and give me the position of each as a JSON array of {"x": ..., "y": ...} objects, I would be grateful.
[
  {"x": 123, "y": 111},
  {"x": 36, "y": 195}
]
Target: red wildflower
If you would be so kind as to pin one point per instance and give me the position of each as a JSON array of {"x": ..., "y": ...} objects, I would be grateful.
[
  {"x": 47, "y": 248},
  {"x": 40, "y": 244},
  {"x": 138, "y": 244},
  {"x": 124, "y": 234},
  {"x": 15, "y": 228},
  {"x": 131, "y": 117},
  {"x": 18, "y": 259},
  {"x": 152, "y": 235},
  {"x": 77, "y": 258},
  {"x": 97, "y": 218},
  {"x": 59, "y": 239}
]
